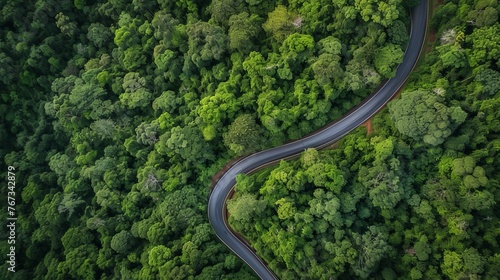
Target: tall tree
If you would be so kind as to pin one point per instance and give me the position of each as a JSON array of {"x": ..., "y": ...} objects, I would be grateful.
[
  {"x": 280, "y": 23},
  {"x": 244, "y": 135},
  {"x": 420, "y": 115}
]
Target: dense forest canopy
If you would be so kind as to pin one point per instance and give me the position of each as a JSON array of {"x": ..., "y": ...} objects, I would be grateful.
[
  {"x": 117, "y": 114},
  {"x": 417, "y": 198}
]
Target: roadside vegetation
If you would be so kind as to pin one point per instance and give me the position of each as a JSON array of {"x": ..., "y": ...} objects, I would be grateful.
[
  {"x": 418, "y": 197},
  {"x": 116, "y": 114}
]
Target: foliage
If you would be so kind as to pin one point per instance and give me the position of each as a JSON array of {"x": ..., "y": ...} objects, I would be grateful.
[
  {"x": 243, "y": 135},
  {"x": 420, "y": 115},
  {"x": 417, "y": 197},
  {"x": 116, "y": 114},
  {"x": 280, "y": 23}
]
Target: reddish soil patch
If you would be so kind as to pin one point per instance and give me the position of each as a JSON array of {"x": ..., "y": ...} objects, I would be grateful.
[
  {"x": 431, "y": 39},
  {"x": 368, "y": 125},
  {"x": 432, "y": 36}
]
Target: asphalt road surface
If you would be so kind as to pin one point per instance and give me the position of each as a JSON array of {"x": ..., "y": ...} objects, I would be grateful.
[{"x": 319, "y": 139}]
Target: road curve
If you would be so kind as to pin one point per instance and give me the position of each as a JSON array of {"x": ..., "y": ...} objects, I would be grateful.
[{"x": 320, "y": 139}]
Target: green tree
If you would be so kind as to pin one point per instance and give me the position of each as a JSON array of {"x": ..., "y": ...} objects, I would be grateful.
[
  {"x": 383, "y": 12},
  {"x": 108, "y": 199},
  {"x": 69, "y": 203},
  {"x": 75, "y": 237},
  {"x": 8, "y": 71},
  {"x": 207, "y": 43},
  {"x": 218, "y": 108},
  {"x": 168, "y": 62},
  {"x": 422, "y": 249},
  {"x": 452, "y": 55},
  {"x": 387, "y": 59},
  {"x": 372, "y": 247},
  {"x": 222, "y": 10},
  {"x": 422, "y": 116},
  {"x": 244, "y": 135},
  {"x": 147, "y": 133},
  {"x": 325, "y": 206},
  {"x": 168, "y": 101},
  {"x": 397, "y": 33},
  {"x": 80, "y": 262},
  {"x": 286, "y": 209},
  {"x": 136, "y": 94},
  {"x": 159, "y": 255},
  {"x": 65, "y": 24},
  {"x": 243, "y": 29},
  {"x": 187, "y": 142},
  {"x": 488, "y": 81},
  {"x": 133, "y": 58},
  {"x": 244, "y": 207},
  {"x": 280, "y": 23},
  {"x": 484, "y": 13},
  {"x": 122, "y": 242},
  {"x": 327, "y": 69},
  {"x": 485, "y": 45},
  {"x": 165, "y": 27},
  {"x": 467, "y": 264},
  {"x": 105, "y": 128}
]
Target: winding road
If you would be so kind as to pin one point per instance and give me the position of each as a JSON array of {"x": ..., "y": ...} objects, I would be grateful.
[{"x": 320, "y": 139}]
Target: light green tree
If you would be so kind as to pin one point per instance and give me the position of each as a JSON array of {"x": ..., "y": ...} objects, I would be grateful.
[
  {"x": 421, "y": 115},
  {"x": 383, "y": 12},
  {"x": 280, "y": 23},
  {"x": 244, "y": 207},
  {"x": 387, "y": 59}
]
